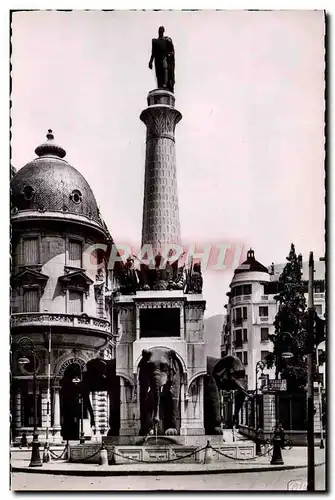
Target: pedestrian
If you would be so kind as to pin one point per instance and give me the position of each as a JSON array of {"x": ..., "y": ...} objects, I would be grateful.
[
  {"x": 282, "y": 435},
  {"x": 24, "y": 442}
]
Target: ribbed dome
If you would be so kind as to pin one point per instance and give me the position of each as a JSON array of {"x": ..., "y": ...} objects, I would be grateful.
[
  {"x": 251, "y": 265},
  {"x": 50, "y": 183}
]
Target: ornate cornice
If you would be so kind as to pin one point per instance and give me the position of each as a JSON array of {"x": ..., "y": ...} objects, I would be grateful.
[
  {"x": 162, "y": 304},
  {"x": 28, "y": 277},
  {"x": 76, "y": 279}
]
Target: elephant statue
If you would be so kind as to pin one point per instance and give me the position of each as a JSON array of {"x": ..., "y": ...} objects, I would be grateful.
[
  {"x": 223, "y": 374},
  {"x": 160, "y": 380},
  {"x": 101, "y": 376}
]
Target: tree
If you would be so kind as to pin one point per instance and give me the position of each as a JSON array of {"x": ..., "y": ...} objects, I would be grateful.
[{"x": 290, "y": 326}]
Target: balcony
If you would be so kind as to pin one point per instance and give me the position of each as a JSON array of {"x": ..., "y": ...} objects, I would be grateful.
[
  {"x": 319, "y": 295},
  {"x": 56, "y": 319},
  {"x": 264, "y": 297},
  {"x": 236, "y": 300},
  {"x": 240, "y": 299},
  {"x": 264, "y": 319}
]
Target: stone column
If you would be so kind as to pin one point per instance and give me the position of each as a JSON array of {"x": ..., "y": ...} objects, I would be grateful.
[
  {"x": 46, "y": 420},
  {"x": 183, "y": 412},
  {"x": 17, "y": 417},
  {"x": 269, "y": 412},
  {"x": 160, "y": 208},
  {"x": 102, "y": 412},
  {"x": 56, "y": 416},
  {"x": 128, "y": 420},
  {"x": 317, "y": 420},
  {"x": 94, "y": 399}
]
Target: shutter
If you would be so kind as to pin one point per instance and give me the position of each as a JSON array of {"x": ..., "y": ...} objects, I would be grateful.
[
  {"x": 75, "y": 302},
  {"x": 31, "y": 301},
  {"x": 75, "y": 253},
  {"x": 30, "y": 251}
]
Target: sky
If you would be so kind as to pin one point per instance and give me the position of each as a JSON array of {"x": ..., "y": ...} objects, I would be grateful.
[{"x": 250, "y": 146}]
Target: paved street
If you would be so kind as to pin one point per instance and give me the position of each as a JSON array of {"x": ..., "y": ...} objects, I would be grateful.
[{"x": 274, "y": 480}]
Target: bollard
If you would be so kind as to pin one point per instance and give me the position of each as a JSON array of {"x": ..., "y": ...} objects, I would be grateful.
[
  {"x": 46, "y": 454},
  {"x": 67, "y": 452},
  {"x": 103, "y": 455},
  {"x": 277, "y": 458},
  {"x": 258, "y": 443},
  {"x": 208, "y": 456}
]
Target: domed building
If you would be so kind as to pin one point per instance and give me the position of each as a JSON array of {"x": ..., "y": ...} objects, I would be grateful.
[
  {"x": 250, "y": 316},
  {"x": 60, "y": 315}
]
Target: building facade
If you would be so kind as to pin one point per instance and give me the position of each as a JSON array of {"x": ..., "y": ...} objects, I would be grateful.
[
  {"x": 59, "y": 291},
  {"x": 252, "y": 308}
]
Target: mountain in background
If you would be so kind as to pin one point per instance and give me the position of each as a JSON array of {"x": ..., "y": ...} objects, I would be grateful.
[{"x": 212, "y": 334}]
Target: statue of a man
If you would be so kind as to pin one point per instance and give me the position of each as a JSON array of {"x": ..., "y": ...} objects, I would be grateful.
[{"x": 163, "y": 54}]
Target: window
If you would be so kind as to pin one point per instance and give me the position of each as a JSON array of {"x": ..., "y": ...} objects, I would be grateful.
[
  {"x": 319, "y": 287},
  {"x": 75, "y": 302},
  {"x": 75, "y": 251},
  {"x": 30, "y": 251},
  {"x": 239, "y": 356},
  {"x": 28, "y": 193},
  {"x": 76, "y": 196},
  {"x": 241, "y": 290},
  {"x": 245, "y": 335},
  {"x": 264, "y": 334},
  {"x": 245, "y": 357},
  {"x": 31, "y": 300},
  {"x": 238, "y": 338},
  {"x": 160, "y": 322},
  {"x": 245, "y": 312},
  {"x": 28, "y": 410},
  {"x": 318, "y": 309},
  {"x": 263, "y": 355},
  {"x": 263, "y": 311}
]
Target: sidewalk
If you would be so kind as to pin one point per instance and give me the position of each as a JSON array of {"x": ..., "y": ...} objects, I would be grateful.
[{"x": 293, "y": 459}]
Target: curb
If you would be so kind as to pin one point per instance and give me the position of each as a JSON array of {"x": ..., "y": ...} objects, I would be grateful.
[{"x": 162, "y": 472}]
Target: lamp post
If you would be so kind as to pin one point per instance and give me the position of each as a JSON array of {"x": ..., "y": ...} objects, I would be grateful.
[
  {"x": 46, "y": 455},
  {"x": 319, "y": 400},
  {"x": 260, "y": 365},
  {"x": 28, "y": 347},
  {"x": 277, "y": 458},
  {"x": 310, "y": 356},
  {"x": 76, "y": 381}
]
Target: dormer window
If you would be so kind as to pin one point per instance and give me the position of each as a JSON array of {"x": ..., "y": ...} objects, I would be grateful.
[
  {"x": 76, "y": 196},
  {"x": 28, "y": 193}
]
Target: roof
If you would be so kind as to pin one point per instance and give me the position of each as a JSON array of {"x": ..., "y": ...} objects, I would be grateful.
[
  {"x": 251, "y": 265},
  {"x": 319, "y": 271},
  {"x": 49, "y": 183}
]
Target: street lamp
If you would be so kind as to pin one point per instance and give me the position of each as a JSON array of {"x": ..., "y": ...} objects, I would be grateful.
[
  {"x": 27, "y": 346},
  {"x": 277, "y": 458},
  {"x": 260, "y": 365},
  {"x": 77, "y": 381}
]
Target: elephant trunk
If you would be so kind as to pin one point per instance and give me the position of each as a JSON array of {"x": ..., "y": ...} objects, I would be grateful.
[{"x": 158, "y": 386}]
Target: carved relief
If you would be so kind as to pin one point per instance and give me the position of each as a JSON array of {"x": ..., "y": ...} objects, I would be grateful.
[{"x": 161, "y": 304}]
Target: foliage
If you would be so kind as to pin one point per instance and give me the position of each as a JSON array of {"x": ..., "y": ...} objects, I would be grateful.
[{"x": 290, "y": 326}]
